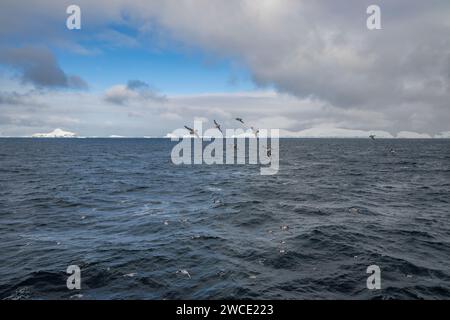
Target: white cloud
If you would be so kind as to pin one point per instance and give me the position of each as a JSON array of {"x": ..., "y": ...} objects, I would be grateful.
[
  {"x": 170, "y": 116},
  {"x": 120, "y": 94},
  {"x": 412, "y": 135},
  {"x": 134, "y": 91}
]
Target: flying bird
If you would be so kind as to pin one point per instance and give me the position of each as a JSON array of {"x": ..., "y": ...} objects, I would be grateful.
[
  {"x": 192, "y": 131},
  {"x": 217, "y": 126},
  {"x": 240, "y": 120},
  {"x": 372, "y": 136}
]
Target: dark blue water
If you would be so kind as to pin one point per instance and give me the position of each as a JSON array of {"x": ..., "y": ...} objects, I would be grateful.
[{"x": 120, "y": 210}]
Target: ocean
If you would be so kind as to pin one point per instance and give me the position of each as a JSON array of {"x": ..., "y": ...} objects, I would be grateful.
[{"x": 132, "y": 220}]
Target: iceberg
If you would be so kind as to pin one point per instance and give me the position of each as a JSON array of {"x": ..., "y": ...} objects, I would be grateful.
[
  {"x": 443, "y": 135},
  {"x": 57, "y": 133}
]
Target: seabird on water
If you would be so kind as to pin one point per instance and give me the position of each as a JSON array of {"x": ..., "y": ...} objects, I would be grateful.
[
  {"x": 185, "y": 272},
  {"x": 217, "y": 126},
  {"x": 192, "y": 131}
]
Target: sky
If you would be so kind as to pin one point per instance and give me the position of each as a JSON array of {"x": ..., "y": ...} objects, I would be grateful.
[{"x": 147, "y": 68}]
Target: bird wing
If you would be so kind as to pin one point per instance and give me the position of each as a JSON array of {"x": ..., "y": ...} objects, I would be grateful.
[{"x": 188, "y": 128}]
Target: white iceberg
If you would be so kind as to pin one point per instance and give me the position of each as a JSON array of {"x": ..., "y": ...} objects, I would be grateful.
[
  {"x": 333, "y": 132},
  {"x": 443, "y": 135},
  {"x": 177, "y": 135},
  {"x": 57, "y": 133}
]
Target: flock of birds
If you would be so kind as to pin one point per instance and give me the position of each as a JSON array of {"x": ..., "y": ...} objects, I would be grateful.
[{"x": 194, "y": 132}]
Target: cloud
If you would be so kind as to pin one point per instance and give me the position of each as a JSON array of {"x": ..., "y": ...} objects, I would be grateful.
[
  {"x": 322, "y": 49},
  {"x": 275, "y": 122},
  {"x": 170, "y": 116},
  {"x": 137, "y": 85},
  {"x": 119, "y": 94},
  {"x": 327, "y": 69},
  {"x": 318, "y": 50},
  {"x": 12, "y": 98},
  {"x": 133, "y": 91},
  {"x": 412, "y": 135},
  {"x": 16, "y": 99},
  {"x": 114, "y": 38},
  {"x": 39, "y": 67}
]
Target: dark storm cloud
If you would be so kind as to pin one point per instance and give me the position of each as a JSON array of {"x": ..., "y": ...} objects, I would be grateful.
[{"x": 39, "y": 67}]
